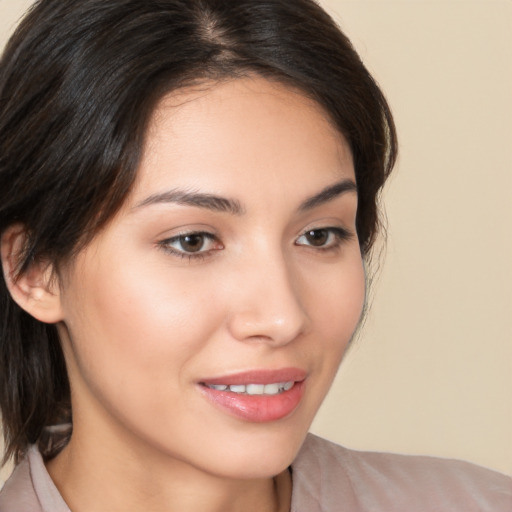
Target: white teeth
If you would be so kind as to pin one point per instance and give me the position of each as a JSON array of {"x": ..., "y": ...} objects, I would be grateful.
[
  {"x": 218, "y": 387},
  {"x": 288, "y": 385},
  {"x": 271, "y": 389},
  {"x": 255, "y": 389}
]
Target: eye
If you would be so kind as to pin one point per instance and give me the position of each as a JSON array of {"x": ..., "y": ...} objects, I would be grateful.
[
  {"x": 191, "y": 244},
  {"x": 324, "y": 238}
]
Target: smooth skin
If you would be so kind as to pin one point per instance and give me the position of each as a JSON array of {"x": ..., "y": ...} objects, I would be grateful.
[{"x": 179, "y": 288}]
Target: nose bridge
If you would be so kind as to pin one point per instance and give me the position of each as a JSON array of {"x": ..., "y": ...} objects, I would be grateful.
[{"x": 269, "y": 306}]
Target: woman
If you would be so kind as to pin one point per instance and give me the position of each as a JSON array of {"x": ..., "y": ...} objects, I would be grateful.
[{"x": 188, "y": 191}]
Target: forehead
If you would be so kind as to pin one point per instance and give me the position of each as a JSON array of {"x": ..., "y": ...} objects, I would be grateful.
[{"x": 237, "y": 130}]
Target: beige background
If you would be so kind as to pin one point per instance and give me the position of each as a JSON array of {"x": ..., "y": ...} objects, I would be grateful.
[{"x": 431, "y": 371}]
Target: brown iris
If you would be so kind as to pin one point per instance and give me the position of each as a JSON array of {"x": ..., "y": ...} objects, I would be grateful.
[
  {"x": 317, "y": 237},
  {"x": 192, "y": 243}
]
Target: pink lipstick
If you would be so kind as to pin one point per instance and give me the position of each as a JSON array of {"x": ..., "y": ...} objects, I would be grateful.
[{"x": 258, "y": 395}]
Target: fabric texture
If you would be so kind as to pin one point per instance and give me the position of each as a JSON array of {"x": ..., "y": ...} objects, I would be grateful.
[
  {"x": 327, "y": 478},
  {"x": 331, "y": 478}
]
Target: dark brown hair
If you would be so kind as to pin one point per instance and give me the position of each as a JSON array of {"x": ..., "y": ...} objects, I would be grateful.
[{"x": 79, "y": 80}]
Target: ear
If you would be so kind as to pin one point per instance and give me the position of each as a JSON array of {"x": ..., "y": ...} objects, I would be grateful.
[{"x": 35, "y": 290}]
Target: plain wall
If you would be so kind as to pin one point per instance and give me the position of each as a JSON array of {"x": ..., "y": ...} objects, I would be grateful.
[{"x": 431, "y": 371}]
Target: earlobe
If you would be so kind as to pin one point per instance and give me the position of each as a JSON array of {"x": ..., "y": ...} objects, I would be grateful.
[{"x": 35, "y": 290}]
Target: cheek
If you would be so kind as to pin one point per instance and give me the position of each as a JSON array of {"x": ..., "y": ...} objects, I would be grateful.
[
  {"x": 135, "y": 321},
  {"x": 137, "y": 334},
  {"x": 339, "y": 297},
  {"x": 335, "y": 308}
]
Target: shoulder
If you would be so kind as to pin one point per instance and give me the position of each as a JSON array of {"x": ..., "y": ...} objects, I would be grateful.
[
  {"x": 30, "y": 488},
  {"x": 326, "y": 475},
  {"x": 17, "y": 494}
]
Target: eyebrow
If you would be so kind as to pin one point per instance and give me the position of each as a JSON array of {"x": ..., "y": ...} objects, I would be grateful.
[
  {"x": 328, "y": 194},
  {"x": 198, "y": 199},
  {"x": 226, "y": 205}
]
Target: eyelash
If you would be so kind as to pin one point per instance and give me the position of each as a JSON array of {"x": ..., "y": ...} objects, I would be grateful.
[
  {"x": 166, "y": 245},
  {"x": 336, "y": 236}
]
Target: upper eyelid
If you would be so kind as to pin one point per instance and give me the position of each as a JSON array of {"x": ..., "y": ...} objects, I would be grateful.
[
  {"x": 187, "y": 232},
  {"x": 166, "y": 245},
  {"x": 175, "y": 238},
  {"x": 340, "y": 231},
  {"x": 212, "y": 235},
  {"x": 336, "y": 230},
  {"x": 207, "y": 234},
  {"x": 329, "y": 227}
]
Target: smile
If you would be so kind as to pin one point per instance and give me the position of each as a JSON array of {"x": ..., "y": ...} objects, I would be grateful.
[
  {"x": 254, "y": 389},
  {"x": 257, "y": 396}
]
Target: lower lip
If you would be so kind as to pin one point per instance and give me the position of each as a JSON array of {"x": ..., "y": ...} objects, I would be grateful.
[{"x": 257, "y": 408}]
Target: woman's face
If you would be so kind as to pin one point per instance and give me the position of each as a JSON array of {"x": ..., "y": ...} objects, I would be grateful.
[{"x": 205, "y": 324}]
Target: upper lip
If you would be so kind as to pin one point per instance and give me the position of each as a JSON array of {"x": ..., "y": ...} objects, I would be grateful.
[{"x": 258, "y": 376}]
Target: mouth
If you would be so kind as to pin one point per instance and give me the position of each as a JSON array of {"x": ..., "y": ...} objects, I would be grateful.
[
  {"x": 257, "y": 396},
  {"x": 274, "y": 388}
]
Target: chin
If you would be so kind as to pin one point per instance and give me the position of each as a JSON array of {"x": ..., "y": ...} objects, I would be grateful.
[{"x": 263, "y": 453}]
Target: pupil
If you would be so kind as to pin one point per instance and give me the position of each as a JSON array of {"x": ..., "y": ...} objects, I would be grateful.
[
  {"x": 317, "y": 236},
  {"x": 192, "y": 243}
]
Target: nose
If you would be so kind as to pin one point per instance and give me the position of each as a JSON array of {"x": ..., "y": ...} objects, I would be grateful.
[{"x": 267, "y": 306}]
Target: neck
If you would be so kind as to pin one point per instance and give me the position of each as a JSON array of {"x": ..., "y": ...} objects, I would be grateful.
[{"x": 97, "y": 476}]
